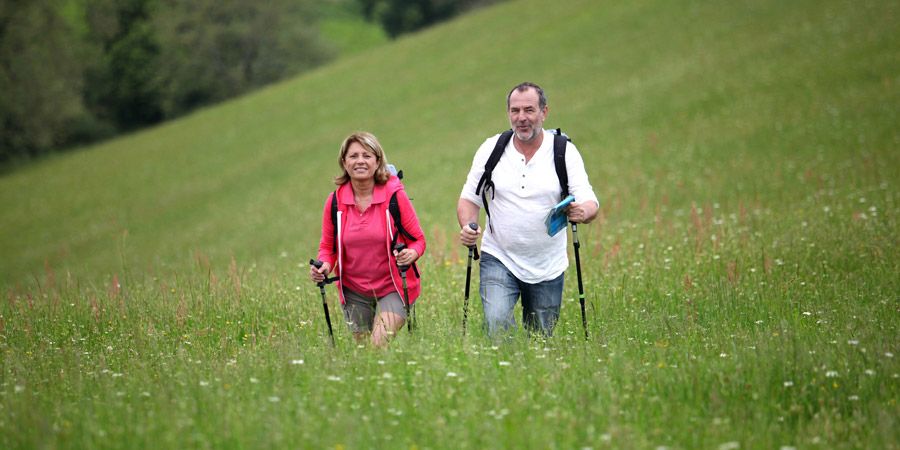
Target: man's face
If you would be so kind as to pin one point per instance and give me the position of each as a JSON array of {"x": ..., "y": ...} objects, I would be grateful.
[{"x": 525, "y": 115}]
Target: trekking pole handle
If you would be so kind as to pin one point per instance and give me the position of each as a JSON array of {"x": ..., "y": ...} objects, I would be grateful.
[
  {"x": 473, "y": 249},
  {"x": 399, "y": 247},
  {"x": 318, "y": 265}
]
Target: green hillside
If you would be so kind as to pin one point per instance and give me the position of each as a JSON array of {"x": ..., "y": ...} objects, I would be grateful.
[
  {"x": 741, "y": 280},
  {"x": 686, "y": 102}
]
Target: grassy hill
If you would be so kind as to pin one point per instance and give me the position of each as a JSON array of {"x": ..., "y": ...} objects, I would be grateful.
[
  {"x": 696, "y": 102},
  {"x": 742, "y": 278}
]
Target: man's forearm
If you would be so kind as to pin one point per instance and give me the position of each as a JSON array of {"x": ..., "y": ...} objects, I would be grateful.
[{"x": 466, "y": 212}]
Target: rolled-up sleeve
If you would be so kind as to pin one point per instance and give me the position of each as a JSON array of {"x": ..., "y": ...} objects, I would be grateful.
[{"x": 579, "y": 184}]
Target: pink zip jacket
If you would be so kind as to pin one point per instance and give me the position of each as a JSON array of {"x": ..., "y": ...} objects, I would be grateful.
[{"x": 380, "y": 199}]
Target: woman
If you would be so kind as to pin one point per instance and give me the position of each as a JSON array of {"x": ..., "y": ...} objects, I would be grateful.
[{"x": 370, "y": 284}]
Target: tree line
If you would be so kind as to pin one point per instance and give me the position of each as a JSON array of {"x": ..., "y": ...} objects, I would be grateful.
[{"x": 74, "y": 72}]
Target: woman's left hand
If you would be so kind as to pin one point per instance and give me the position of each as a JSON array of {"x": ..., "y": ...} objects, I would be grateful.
[{"x": 406, "y": 257}]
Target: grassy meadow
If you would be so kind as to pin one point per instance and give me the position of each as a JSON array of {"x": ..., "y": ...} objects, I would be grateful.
[{"x": 742, "y": 279}]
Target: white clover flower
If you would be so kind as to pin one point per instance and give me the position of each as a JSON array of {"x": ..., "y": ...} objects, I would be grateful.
[
  {"x": 297, "y": 362},
  {"x": 788, "y": 383},
  {"x": 853, "y": 342},
  {"x": 831, "y": 374},
  {"x": 333, "y": 378},
  {"x": 204, "y": 383},
  {"x": 505, "y": 363},
  {"x": 451, "y": 375}
]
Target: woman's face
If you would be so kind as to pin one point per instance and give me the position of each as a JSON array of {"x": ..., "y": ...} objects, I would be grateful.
[{"x": 360, "y": 162}]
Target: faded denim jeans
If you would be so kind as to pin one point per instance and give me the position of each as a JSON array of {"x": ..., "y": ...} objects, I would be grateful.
[{"x": 500, "y": 290}]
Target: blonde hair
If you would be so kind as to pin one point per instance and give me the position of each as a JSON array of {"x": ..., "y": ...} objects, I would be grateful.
[{"x": 370, "y": 142}]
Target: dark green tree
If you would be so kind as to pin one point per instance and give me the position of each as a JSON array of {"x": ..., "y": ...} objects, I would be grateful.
[
  {"x": 121, "y": 85},
  {"x": 213, "y": 50},
  {"x": 40, "y": 78},
  {"x": 403, "y": 16}
]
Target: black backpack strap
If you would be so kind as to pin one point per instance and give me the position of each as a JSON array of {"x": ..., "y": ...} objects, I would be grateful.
[
  {"x": 394, "y": 209},
  {"x": 334, "y": 224},
  {"x": 559, "y": 160},
  {"x": 485, "y": 182}
]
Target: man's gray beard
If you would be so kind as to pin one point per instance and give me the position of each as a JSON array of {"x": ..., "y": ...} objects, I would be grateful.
[{"x": 534, "y": 132}]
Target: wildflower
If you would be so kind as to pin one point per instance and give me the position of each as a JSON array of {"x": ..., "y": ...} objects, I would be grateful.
[
  {"x": 254, "y": 380},
  {"x": 889, "y": 354},
  {"x": 853, "y": 342},
  {"x": 451, "y": 375},
  {"x": 831, "y": 374},
  {"x": 505, "y": 363},
  {"x": 296, "y": 362},
  {"x": 410, "y": 363},
  {"x": 853, "y": 398},
  {"x": 723, "y": 355},
  {"x": 387, "y": 376},
  {"x": 333, "y": 378},
  {"x": 19, "y": 388},
  {"x": 788, "y": 383},
  {"x": 807, "y": 313},
  {"x": 204, "y": 383},
  {"x": 870, "y": 372}
]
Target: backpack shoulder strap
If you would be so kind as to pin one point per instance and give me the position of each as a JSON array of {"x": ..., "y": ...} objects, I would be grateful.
[
  {"x": 394, "y": 209},
  {"x": 485, "y": 182},
  {"x": 559, "y": 160}
]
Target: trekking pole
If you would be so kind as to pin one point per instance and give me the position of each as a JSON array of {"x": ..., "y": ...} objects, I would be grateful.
[
  {"x": 473, "y": 254},
  {"x": 318, "y": 264},
  {"x": 577, "y": 245},
  {"x": 398, "y": 247}
]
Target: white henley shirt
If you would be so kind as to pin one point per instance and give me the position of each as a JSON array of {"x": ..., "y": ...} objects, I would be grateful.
[{"x": 524, "y": 194}]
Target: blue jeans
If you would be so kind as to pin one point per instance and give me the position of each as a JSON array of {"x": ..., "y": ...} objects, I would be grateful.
[{"x": 500, "y": 290}]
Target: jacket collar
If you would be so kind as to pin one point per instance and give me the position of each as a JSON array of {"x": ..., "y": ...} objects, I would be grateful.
[{"x": 379, "y": 194}]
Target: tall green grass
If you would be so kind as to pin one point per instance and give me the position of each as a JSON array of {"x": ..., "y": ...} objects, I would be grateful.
[{"x": 741, "y": 280}]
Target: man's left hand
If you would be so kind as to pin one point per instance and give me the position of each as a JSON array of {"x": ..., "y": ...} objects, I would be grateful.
[{"x": 582, "y": 212}]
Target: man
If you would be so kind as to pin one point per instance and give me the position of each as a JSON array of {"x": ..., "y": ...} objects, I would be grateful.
[{"x": 519, "y": 258}]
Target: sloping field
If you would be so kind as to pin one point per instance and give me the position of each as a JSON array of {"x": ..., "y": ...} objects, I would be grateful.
[{"x": 742, "y": 280}]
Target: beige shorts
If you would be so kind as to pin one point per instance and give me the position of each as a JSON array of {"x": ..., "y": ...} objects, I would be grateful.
[{"x": 360, "y": 310}]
